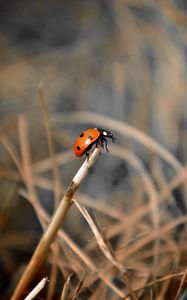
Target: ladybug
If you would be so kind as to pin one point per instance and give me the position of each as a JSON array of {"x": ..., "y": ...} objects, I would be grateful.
[{"x": 91, "y": 137}]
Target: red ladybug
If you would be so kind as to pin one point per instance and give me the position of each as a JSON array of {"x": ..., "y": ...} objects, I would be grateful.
[{"x": 91, "y": 137}]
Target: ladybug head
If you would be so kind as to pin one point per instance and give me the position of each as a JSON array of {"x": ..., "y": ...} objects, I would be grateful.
[{"x": 107, "y": 134}]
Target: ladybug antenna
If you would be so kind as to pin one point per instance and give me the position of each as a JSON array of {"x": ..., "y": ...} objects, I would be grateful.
[
  {"x": 110, "y": 134},
  {"x": 113, "y": 139}
]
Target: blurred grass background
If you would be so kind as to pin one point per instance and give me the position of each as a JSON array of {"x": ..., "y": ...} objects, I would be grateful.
[{"x": 126, "y": 60}]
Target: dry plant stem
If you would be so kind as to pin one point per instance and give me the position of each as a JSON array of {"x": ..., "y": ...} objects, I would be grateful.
[
  {"x": 66, "y": 288},
  {"x": 181, "y": 286},
  {"x": 37, "y": 289},
  {"x": 78, "y": 288},
  {"x": 58, "y": 218},
  {"x": 152, "y": 283},
  {"x": 56, "y": 178},
  {"x": 108, "y": 253},
  {"x": 56, "y": 173}
]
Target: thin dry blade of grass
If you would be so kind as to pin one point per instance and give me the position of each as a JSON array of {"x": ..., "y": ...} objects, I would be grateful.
[
  {"x": 99, "y": 238},
  {"x": 12, "y": 152},
  {"x": 56, "y": 173},
  {"x": 181, "y": 286},
  {"x": 56, "y": 180},
  {"x": 46, "y": 163},
  {"x": 26, "y": 158},
  {"x": 66, "y": 288},
  {"x": 78, "y": 288},
  {"x": 154, "y": 282}
]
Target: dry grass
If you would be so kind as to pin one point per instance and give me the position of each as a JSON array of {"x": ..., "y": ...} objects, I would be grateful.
[
  {"x": 126, "y": 236},
  {"x": 144, "y": 247}
]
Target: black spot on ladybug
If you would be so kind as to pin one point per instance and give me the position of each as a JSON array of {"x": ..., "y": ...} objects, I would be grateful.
[
  {"x": 90, "y": 137},
  {"x": 82, "y": 134},
  {"x": 78, "y": 148}
]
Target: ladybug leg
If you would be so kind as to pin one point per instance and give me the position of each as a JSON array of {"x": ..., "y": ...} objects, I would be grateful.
[
  {"x": 99, "y": 143},
  {"x": 90, "y": 151},
  {"x": 104, "y": 142},
  {"x": 87, "y": 155}
]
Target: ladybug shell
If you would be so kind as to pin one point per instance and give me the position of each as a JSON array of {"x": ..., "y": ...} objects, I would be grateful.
[{"x": 85, "y": 141}]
